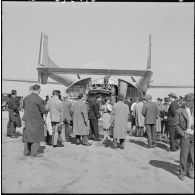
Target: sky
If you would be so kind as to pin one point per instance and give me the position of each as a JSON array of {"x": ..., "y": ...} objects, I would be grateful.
[{"x": 99, "y": 35}]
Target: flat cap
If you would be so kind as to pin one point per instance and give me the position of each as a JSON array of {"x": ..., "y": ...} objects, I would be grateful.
[
  {"x": 36, "y": 87},
  {"x": 172, "y": 95},
  {"x": 189, "y": 97}
]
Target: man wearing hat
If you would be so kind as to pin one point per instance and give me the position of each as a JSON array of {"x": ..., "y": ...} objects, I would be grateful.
[
  {"x": 164, "y": 123},
  {"x": 171, "y": 122},
  {"x": 34, "y": 108},
  {"x": 150, "y": 112},
  {"x": 14, "y": 115},
  {"x": 80, "y": 121},
  {"x": 55, "y": 107},
  {"x": 185, "y": 128},
  {"x": 120, "y": 117}
]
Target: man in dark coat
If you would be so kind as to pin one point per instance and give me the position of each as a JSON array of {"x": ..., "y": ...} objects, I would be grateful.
[
  {"x": 34, "y": 108},
  {"x": 150, "y": 112},
  {"x": 185, "y": 128},
  {"x": 94, "y": 115},
  {"x": 14, "y": 115},
  {"x": 171, "y": 122}
]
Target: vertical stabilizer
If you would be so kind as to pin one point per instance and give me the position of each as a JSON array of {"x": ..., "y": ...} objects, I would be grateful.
[{"x": 149, "y": 53}]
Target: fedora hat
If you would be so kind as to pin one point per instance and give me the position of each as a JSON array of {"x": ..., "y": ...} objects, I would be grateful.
[
  {"x": 189, "y": 97},
  {"x": 172, "y": 95}
]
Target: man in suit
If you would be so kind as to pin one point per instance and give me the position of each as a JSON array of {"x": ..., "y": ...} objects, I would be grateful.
[
  {"x": 55, "y": 108},
  {"x": 14, "y": 115},
  {"x": 185, "y": 128},
  {"x": 67, "y": 116},
  {"x": 171, "y": 122},
  {"x": 150, "y": 112},
  {"x": 80, "y": 121},
  {"x": 94, "y": 115},
  {"x": 33, "y": 134}
]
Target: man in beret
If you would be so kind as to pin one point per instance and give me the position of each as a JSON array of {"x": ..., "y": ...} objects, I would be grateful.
[
  {"x": 171, "y": 122},
  {"x": 80, "y": 121},
  {"x": 150, "y": 112},
  {"x": 14, "y": 115},
  {"x": 120, "y": 115},
  {"x": 34, "y": 108},
  {"x": 185, "y": 128}
]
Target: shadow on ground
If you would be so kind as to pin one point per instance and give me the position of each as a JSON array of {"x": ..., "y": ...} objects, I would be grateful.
[
  {"x": 140, "y": 143},
  {"x": 167, "y": 166}
]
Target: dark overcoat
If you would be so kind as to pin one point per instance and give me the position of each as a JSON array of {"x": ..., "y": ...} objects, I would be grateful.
[
  {"x": 13, "y": 109},
  {"x": 34, "y": 108},
  {"x": 150, "y": 111}
]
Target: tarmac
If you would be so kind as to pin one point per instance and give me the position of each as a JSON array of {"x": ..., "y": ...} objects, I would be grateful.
[{"x": 91, "y": 169}]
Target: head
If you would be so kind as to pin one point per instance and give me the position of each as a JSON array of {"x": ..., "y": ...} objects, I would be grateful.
[
  {"x": 181, "y": 100},
  {"x": 137, "y": 99},
  {"x": 98, "y": 98},
  {"x": 189, "y": 100},
  {"x": 80, "y": 96},
  {"x": 166, "y": 100},
  {"x": 128, "y": 99},
  {"x": 172, "y": 97},
  {"x": 65, "y": 96},
  {"x": 13, "y": 92},
  {"x": 159, "y": 101},
  {"x": 120, "y": 97},
  {"x": 36, "y": 89},
  {"x": 148, "y": 97}
]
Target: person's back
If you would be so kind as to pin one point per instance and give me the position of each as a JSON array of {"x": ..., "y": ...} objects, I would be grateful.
[
  {"x": 150, "y": 111},
  {"x": 55, "y": 108},
  {"x": 67, "y": 110}
]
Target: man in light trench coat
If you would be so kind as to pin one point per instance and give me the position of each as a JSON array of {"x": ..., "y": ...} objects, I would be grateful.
[
  {"x": 80, "y": 121},
  {"x": 120, "y": 117},
  {"x": 33, "y": 134}
]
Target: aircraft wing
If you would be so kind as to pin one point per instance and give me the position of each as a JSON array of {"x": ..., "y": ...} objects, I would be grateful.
[
  {"x": 92, "y": 71},
  {"x": 171, "y": 86},
  {"x": 27, "y": 81}
]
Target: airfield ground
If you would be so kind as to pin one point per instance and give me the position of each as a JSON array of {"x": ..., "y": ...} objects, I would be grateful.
[{"x": 94, "y": 169}]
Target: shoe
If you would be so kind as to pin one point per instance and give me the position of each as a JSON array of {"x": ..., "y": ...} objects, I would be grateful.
[
  {"x": 97, "y": 139},
  {"x": 87, "y": 144},
  {"x": 12, "y": 136},
  {"x": 37, "y": 155},
  {"x": 181, "y": 177},
  {"x": 78, "y": 142}
]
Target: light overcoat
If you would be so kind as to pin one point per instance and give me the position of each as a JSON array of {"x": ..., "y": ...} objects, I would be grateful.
[
  {"x": 120, "y": 116},
  {"x": 80, "y": 119},
  {"x": 34, "y": 108},
  {"x": 139, "y": 118}
]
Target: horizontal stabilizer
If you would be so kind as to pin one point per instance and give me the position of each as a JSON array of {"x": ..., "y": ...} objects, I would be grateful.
[{"x": 92, "y": 71}]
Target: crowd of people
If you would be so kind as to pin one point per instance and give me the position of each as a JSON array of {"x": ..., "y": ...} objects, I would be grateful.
[{"x": 169, "y": 120}]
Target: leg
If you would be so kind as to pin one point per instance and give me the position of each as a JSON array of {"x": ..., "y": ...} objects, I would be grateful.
[
  {"x": 190, "y": 167},
  {"x": 12, "y": 129},
  {"x": 34, "y": 148},
  {"x": 122, "y": 143},
  {"x": 8, "y": 128},
  {"x": 172, "y": 138},
  {"x": 184, "y": 152},
  {"x": 54, "y": 134},
  {"x": 154, "y": 134},
  {"x": 96, "y": 129},
  {"x": 85, "y": 140},
  {"x": 149, "y": 136},
  {"x": 67, "y": 131},
  {"x": 137, "y": 131},
  {"x": 142, "y": 131},
  {"x": 91, "y": 131},
  {"x": 114, "y": 143},
  {"x": 78, "y": 139},
  {"x": 27, "y": 148}
]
